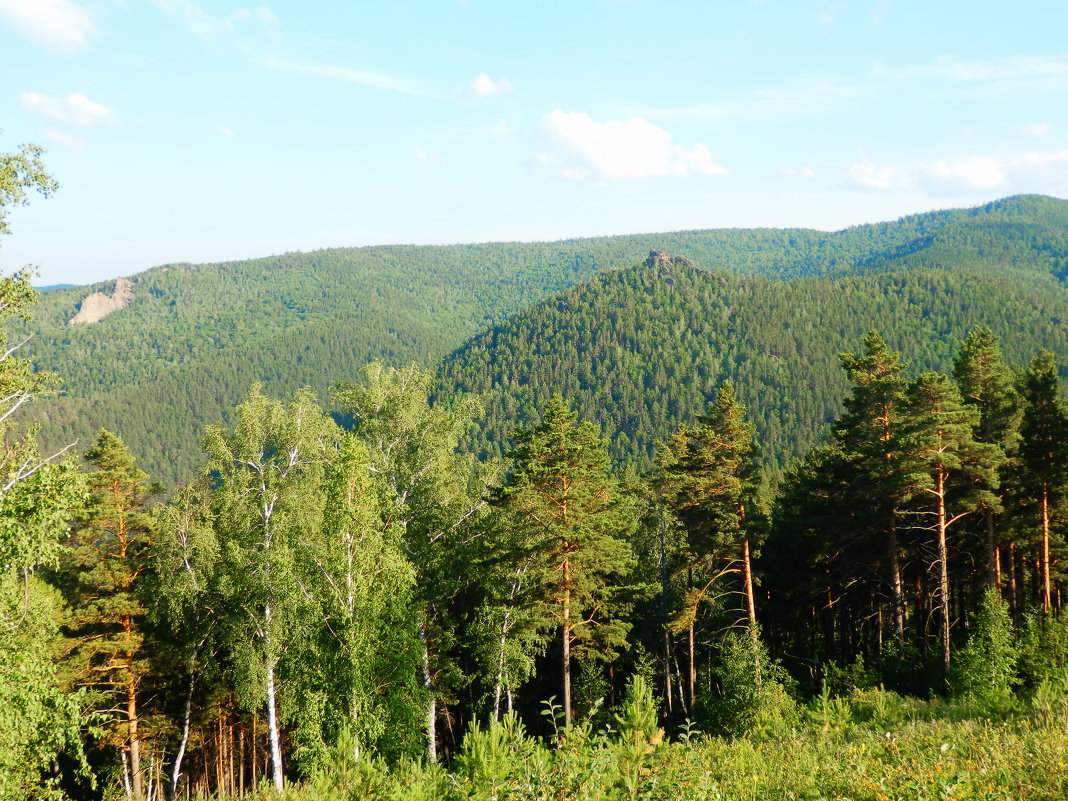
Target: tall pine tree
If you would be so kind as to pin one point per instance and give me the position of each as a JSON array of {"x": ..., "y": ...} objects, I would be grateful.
[
  {"x": 563, "y": 494},
  {"x": 960, "y": 473},
  {"x": 103, "y": 578},
  {"x": 1044, "y": 455},
  {"x": 986, "y": 383}
]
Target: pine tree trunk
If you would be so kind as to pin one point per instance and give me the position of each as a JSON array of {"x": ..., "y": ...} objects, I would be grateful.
[
  {"x": 747, "y": 577},
  {"x": 750, "y": 609},
  {"x": 897, "y": 593},
  {"x": 991, "y": 551},
  {"x": 691, "y": 678},
  {"x": 566, "y": 643},
  {"x": 1013, "y": 599},
  {"x": 1047, "y": 599},
  {"x": 272, "y": 732},
  {"x": 667, "y": 671},
  {"x": 136, "y": 782},
  {"x": 943, "y": 569}
]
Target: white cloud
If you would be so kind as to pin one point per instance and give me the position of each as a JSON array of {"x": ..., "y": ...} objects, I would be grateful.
[
  {"x": 375, "y": 80},
  {"x": 1040, "y": 172},
  {"x": 499, "y": 130},
  {"x": 582, "y": 149},
  {"x": 798, "y": 172},
  {"x": 57, "y": 24},
  {"x": 261, "y": 14},
  {"x": 62, "y": 139},
  {"x": 75, "y": 108},
  {"x": 974, "y": 174},
  {"x": 229, "y": 134},
  {"x": 421, "y": 154},
  {"x": 485, "y": 86},
  {"x": 1043, "y": 172},
  {"x": 1036, "y": 129},
  {"x": 873, "y": 177}
]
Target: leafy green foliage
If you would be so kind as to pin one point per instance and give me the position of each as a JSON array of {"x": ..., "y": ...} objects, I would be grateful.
[{"x": 985, "y": 669}]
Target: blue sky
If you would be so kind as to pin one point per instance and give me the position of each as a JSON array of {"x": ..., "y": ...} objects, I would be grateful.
[{"x": 208, "y": 131}]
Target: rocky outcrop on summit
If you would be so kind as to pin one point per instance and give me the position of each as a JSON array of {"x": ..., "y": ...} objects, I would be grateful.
[
  {"x": 98, "y": 305},
  {"x": 661, "y": 259}
]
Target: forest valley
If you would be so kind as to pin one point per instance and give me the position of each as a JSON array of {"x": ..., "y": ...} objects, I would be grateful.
[{"x": 364, "y": 588}]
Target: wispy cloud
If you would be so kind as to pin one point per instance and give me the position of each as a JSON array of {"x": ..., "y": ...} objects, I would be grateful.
[
  {"x": 260, "y": 14},
  {"x": 368, "y": 78},
  {"x": 813, "y": 95},
  {"x": 198, "y": 21},
  {"x": 499, "y": 129},
  {"x": 227, "y": 132},
  {"x": 205, "y": 25},
  {"x": 963, "y": 176},
  {"x": 1003, "y": 72},
  {"x": 66, "y": 140},
  {"x": 976, "y": 175},
  {"x": 56, "y": 24},
  {"x": 868, "y": 176},
  {"x": 75, "y": 108},
  {"x": 485, "y": 86},
  {"x": 581, "y": 149},
  {"x": 1036, "y": 129}
]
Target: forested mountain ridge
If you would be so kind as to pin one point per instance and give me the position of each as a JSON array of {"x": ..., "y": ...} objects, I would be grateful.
[
  {"x": 642, "y": 350},
  {"x": 195, "y": 337}
]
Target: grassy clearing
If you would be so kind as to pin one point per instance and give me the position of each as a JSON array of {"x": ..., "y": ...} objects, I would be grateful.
[{"x": 872, "y": 745}]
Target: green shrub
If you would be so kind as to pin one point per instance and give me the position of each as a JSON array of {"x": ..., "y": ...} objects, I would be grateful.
[
  {"x": 1043, "y": 650},
  {"x": 754, "y": 698},
  {"x": 985, "y": 669}
]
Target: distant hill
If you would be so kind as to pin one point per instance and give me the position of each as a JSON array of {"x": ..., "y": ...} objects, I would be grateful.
[
  {"x": 194, "y": 337},
  {"x": 642, "y": 350},
  {"x": 50, "y": 287}
]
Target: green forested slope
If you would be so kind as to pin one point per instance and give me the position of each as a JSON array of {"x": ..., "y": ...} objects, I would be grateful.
[
  {"x": 194, "y": 337},
  {"x": 643, "y": 350}
]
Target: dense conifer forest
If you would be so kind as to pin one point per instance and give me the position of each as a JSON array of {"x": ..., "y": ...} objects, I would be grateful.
[
  {"x": 779, "y": 515},
  {"x": 181, "y": 356}
]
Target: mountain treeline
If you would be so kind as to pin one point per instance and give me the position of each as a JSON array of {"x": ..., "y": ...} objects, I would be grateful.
[{"x": 182, "y": 354}]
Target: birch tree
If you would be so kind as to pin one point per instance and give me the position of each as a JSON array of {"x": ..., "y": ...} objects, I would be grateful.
[
  {"x": 38, "y": 495},
  {"x": 268, "y": 474},
  {"x": 433, "y": 496},
  {"x": 365, "y": 651}
]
